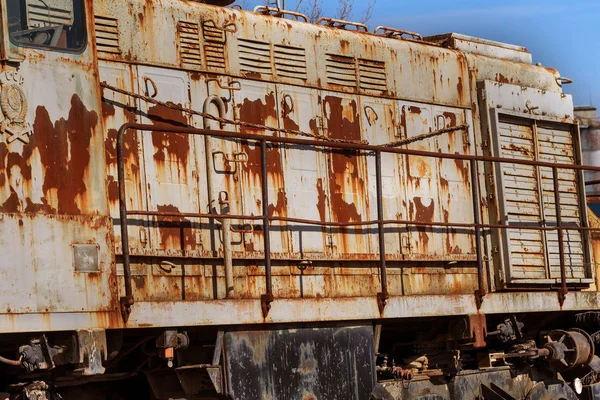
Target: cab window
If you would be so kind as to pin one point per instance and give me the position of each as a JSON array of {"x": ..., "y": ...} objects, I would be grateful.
[{"x": 55, "y": 24}]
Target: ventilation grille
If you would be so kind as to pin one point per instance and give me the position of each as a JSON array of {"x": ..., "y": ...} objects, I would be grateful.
[
  {"x": 290, "y": 62},
  {"x": 107, "y": 34},
  {"x": 39, "y": 14},
  {"x": 255, "y": 57},
  {"x": 189, "y": 44},
  {"x": 352, "y": 73},
  {"x": 214, "y": 46},
  {"x": 372, "y": 75},
  {"x": 341, "y": 71}
]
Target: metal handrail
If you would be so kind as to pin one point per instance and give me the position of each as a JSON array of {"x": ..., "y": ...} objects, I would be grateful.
[
  {"x": 266, "y": 299},
  {"x": 341, "y": 24},
  {"x": 280, "y": 12}
]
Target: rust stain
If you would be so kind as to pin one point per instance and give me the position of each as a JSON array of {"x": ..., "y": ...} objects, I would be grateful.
[
  {"x": 169, "y": 144},
  {"x": 502, "y": 79},
  {"x": 131, "y": 155},
  {"x": 321, "y": 205},
  {"x": 421, "y": 212},
  {"x": 280, "y": 207},
  {"x": 64, "y": 152},
  {"x": 459, "y": 88},
  {"x": 346, "y": 170}
]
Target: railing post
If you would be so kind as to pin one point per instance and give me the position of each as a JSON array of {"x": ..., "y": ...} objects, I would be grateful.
[
  {"x": 127, "y": 300},
  {"x": 267, "y": 298},
  {"x": 562, "y": 292},
  {"x": 480, "y": 292},
  {"x": 384, "y": 294}
]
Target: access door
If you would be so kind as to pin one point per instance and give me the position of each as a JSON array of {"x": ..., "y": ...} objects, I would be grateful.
[
  {"x": 305, "y": 171},
  {"x": 170, "y": 162}
]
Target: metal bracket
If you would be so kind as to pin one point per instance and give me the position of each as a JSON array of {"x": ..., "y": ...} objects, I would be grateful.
[
  {"x": 371, "y": 115},
  {"x": 562, "y": 296},
  {"x": 265, "y": 303},
  {"x": 228, "y": 160},
  {"x": 92, "y": 351},
  {"x": 479, "y": 295},
  {"x": 154, "y": 88},
  {"x": 126, "y": 302},
  {"x": 478, "y": 329},
  {"x": 382, "y": 298}
]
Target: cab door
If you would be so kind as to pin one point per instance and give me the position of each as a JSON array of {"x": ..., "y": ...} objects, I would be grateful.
[{"x": 53, "y": 191}]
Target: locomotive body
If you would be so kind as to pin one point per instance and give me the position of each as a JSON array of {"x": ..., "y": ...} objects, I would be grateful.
[{"x": 299, "y": 198}]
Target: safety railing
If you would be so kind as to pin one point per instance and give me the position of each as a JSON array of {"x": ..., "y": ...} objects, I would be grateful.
[{"x": 374, "y": 150}]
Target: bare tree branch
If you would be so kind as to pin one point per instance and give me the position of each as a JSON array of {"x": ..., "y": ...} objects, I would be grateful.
[
  {"x": 298, "y": 5},
  {"x": 344, "y": 10},
  {"x": 366, "y": 15},
  {"x": 313, "y": 11}
]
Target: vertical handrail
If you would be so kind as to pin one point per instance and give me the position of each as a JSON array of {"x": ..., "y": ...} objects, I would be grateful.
[
  {"x": 383, "y": 296},
  {"x": 267, "y": 298},
  {"x": 480, "y": 292},
  {"x": 562, "y": 292},
  {"x": 127, "y": 300}
]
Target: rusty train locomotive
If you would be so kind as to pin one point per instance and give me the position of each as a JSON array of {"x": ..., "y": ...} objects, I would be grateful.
[{"x": 198, "y": 201}]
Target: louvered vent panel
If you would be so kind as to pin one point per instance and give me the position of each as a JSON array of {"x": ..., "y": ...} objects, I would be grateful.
[
  {"x": 290, "y": 62},
  {"x": 189, "y": 44},
  {"x": 214, "y": 46},
  {"x": 341, "y": 70},
  {"x": 107, "y": 34},
  {"x": 372, "y": 75},
  {"x": 255, "y": 57}
]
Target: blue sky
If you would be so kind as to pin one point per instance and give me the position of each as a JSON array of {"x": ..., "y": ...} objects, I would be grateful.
[{"x": 561, "y": 34}]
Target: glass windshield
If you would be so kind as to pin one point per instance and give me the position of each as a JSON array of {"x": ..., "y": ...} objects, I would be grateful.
[{"x": 58, "y": 24}]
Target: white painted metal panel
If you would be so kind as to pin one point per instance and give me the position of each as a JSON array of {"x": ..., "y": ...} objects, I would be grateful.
[
  {"x": 305, "y": 170},
  {"x": 256, "y": 103},
  {"x": 380, "y": 126}
]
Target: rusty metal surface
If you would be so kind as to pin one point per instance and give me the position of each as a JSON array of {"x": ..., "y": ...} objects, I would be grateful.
[{"x": 247, "y": 71}]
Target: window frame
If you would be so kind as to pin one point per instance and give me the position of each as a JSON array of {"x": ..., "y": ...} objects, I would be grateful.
[{"x": 85, "y": 36}]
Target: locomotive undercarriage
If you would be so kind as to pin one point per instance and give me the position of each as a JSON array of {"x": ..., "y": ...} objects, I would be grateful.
[{"x": 470, "y": 357}]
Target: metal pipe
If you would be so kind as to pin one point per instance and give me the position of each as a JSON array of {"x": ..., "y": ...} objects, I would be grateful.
[
  {"x": 363, "y": 223},
  {"x": 480, "y": 292},
  {"x": 224, "y": 206},
  {"x": 350, "y": 146},
  {"x": 126, "y": 301},
  {"x": 267, "y": 298},
  {"x": 561, "y": 251},
  {"x": 383, "y": 296},
  {"x": 594, "y": 182},
  {"x": 14, "y": 363}
]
